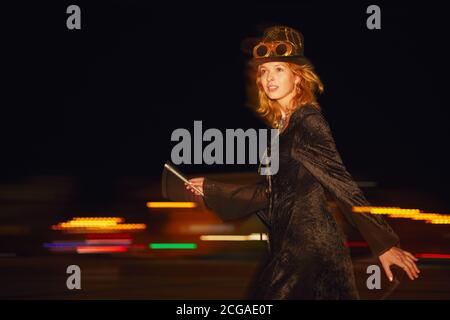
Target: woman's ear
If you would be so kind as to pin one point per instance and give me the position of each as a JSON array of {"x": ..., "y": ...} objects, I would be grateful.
[{"x": 296, "y": 80}]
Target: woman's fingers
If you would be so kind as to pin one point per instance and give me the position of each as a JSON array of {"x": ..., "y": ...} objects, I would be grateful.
[
  {"x": 401, "y": 258},
  {"x": 409, "y": 260},
  {"x": 409, "y": 269},
  {"x": 412, "y": 265},
  {"x": 410, "y": 255},
  {"x": 193, "y": 190},
  {"x": 415, "y": 267},
  {"x": 388, "y": 271},
  {"x": 197, "y": 183},
  {"x": 412, "y": 260},
  {"x": 192, "y": 187}
]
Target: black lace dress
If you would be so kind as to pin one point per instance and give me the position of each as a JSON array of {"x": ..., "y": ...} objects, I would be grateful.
[{"x": 308, "y": 257}]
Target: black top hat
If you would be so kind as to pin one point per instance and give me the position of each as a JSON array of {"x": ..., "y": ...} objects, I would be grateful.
[{"x": 279, "y": 43}]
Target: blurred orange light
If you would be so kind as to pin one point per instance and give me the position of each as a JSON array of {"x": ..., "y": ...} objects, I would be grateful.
[
  {"x": 97, "y": 224},
  {"x": 414, "y": 214},
  {"x": 171, "y": 205}
]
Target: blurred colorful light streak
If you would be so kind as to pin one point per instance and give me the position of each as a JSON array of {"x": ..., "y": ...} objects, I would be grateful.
[
  {"x": 101, "y": 249},
  {"x": 172, "y": 246},
  {"x": 90, "y": 246},
  {"x": 226, "y": 237},
  {"x": 97, "y": 224}
]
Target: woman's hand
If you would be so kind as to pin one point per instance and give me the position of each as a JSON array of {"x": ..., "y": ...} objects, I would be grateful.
[
  {"x": 198, "y": 183},
  {"x": 401, "y": 258}
]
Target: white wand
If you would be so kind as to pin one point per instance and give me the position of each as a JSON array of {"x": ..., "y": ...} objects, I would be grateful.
[{"x": 179, "y": 175}]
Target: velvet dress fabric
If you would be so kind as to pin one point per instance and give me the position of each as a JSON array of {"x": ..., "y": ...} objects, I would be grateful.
[{"x": 308, "y": 258}]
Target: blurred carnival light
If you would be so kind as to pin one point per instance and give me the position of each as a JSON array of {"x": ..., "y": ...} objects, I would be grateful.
[
  {"x": 98, "y": 224},
  {"x": 103, "y": 235},
  {"x": 171, "y": 205},
  {"x": 413, "y": 214},
  {"x": 225, "y": 237}
]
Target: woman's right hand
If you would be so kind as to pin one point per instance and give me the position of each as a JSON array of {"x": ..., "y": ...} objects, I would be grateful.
[
  {"x": 403, "y": 259},
  {"x": 197, "y": 182}
]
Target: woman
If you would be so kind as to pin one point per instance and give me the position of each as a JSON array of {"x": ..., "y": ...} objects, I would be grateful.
[{"x": 308, "y": 258}]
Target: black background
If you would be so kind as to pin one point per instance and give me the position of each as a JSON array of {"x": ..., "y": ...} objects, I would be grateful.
[{"x": 103, "y": 101}]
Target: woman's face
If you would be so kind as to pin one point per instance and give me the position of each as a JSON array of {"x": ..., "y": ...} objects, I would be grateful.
[{"x": 278, "y": 81}]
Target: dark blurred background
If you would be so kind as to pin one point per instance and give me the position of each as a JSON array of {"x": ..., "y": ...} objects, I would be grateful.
[
  {"x": 104, "y": 100},
  {"x": 88, "y": 114}
]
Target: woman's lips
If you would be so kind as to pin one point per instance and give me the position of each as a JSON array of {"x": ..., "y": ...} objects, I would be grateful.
[{"x": 272, "y": 88}]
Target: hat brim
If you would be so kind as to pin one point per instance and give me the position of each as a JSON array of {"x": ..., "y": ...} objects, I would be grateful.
[{"x": 300, "y": 60}]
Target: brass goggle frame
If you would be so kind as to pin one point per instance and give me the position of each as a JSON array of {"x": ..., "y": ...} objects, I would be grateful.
[{"x": 273, "y": 49}]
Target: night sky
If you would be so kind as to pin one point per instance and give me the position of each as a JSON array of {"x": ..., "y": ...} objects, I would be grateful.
[{"x": 104, "y": 100}]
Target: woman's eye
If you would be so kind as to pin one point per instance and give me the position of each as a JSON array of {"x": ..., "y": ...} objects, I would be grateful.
[
  {"x": 280, "y": 69},
  {"x": 263, "y": 71}
]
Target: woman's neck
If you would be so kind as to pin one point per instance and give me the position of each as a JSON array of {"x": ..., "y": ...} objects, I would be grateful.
[{"x": 284, "y": 112}]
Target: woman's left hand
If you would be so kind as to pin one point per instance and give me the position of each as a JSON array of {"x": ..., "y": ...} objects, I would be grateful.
[{"x": 401, "y": 258}]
